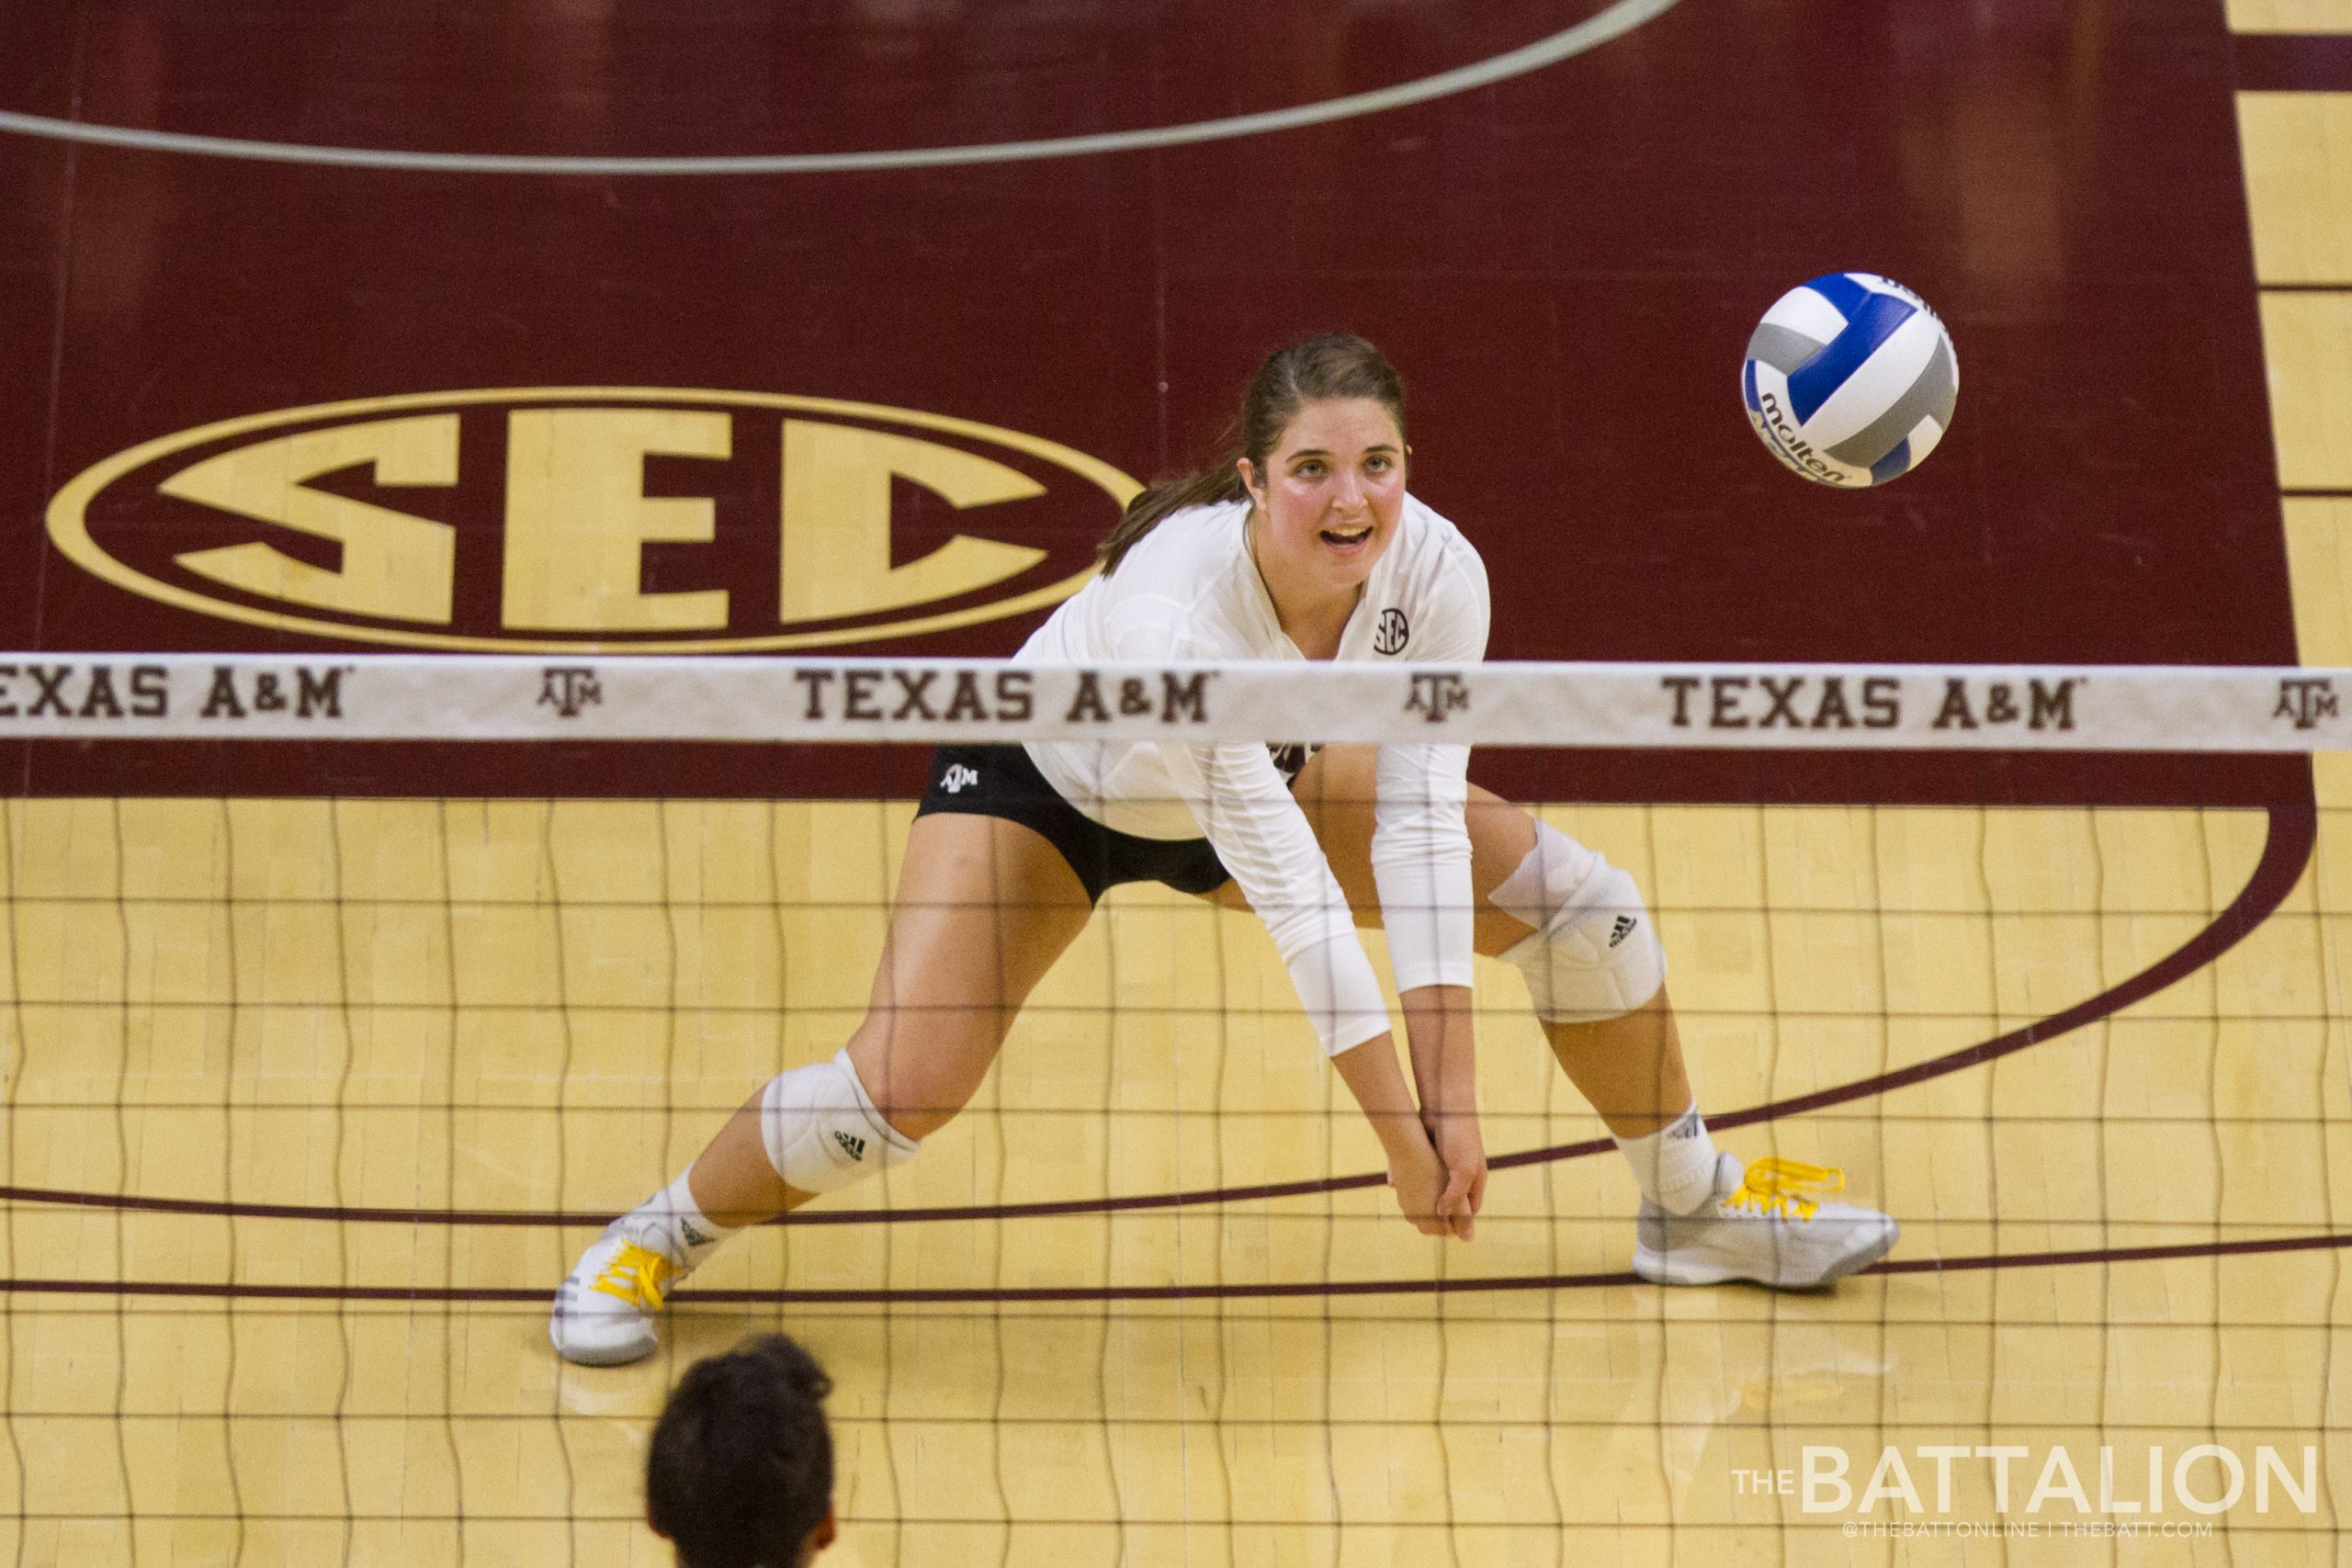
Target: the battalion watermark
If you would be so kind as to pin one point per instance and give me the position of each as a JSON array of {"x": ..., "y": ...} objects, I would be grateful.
[{"x": 2018, "y": 1489}]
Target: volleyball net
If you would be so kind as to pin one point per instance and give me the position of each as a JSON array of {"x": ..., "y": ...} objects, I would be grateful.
[
  {"x": 208, "y": 985},
  {"x": 317, "y": 1079},
  {"x": 1846, "y": 707}
]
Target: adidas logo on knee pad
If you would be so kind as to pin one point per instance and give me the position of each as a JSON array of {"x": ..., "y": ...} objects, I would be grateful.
[
  {"x": 1592, "y": 955},
  {"x": 821, "y": 1130}
]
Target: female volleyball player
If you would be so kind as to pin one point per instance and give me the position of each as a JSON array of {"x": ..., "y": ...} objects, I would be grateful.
[{"x": 1305, "y": 546}]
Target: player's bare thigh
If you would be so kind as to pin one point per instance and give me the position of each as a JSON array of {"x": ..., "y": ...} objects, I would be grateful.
[
  {"x": 1337, "y": 790},
  {"x": 983, "y": 909}
]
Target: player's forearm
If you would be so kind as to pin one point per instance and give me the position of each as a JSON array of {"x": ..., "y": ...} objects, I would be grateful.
[
  {"x": 1444, "y": 1049},
  {"x": 1372, "y": 1074}
]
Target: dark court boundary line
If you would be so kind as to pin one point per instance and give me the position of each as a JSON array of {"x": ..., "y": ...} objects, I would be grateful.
[
  {"x": 441, "y": 1294},
  {"x": 2293, "y": 832},
  {"x": 1237, "y": 1114},
  {"x": 2292, "y": 63}
]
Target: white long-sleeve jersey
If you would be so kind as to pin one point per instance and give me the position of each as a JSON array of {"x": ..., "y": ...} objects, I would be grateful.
[{"x": 1188, "y": 590}]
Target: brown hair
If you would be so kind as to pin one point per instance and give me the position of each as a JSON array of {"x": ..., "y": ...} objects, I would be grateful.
[
  {"x": 1336, "y": 365},
  {"x": 739, "y": 1474}
]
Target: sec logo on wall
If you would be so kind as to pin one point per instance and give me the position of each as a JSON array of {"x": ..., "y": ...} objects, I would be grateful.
[{"x": 578, "y": 520}]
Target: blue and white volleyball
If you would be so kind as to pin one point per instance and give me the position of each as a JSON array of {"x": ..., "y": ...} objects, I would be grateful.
[{"x": 1850, "y": 380}]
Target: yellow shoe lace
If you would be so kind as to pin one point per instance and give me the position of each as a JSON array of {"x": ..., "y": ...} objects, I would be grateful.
[
  {"x": 637, "y": 1275},
  {"x": 1775, "y": 1188}
]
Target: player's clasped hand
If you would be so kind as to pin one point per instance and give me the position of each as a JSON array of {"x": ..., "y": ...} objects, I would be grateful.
[
  {"x": 1462, "y": 1149},
  {"x": 1443, "y": 1192},
  {"x": 1418, "y": 1177}
]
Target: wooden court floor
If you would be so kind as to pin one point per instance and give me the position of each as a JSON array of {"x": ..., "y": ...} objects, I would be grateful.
[{"x": 522, "y": 1009}]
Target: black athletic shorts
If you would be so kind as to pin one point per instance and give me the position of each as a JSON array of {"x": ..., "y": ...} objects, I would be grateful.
[{"x": 1000, "y": 780}]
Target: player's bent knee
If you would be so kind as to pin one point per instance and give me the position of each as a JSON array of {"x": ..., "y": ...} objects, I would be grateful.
[
  {"x": 1594, "y": 954},
  {"x": 823, "y": 1130}
]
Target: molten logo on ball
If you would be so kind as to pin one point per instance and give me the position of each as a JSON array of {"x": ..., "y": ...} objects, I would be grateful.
[{"x": 1789, "y": 447}]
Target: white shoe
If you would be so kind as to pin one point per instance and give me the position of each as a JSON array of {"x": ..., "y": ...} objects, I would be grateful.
[
  {"x": 1769, "y": 1224},
  {"x": 603, "y": 1310}
]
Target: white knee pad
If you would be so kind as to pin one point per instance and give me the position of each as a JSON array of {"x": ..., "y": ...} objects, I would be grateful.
[
  {"x": 822, "y": 1131},
  {"x": 1594, "y": 954}
]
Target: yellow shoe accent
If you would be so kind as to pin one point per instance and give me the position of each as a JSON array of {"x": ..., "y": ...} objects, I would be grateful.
[
  {"x": 1786, "y": 1187},
  {"x": 638, "y": 1275}
]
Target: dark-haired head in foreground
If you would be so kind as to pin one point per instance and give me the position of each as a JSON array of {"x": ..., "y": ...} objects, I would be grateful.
[{"x": 741, "y": 1470}]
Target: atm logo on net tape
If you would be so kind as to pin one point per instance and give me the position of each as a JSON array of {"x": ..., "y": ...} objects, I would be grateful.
[{"x": 596, "y": 520}]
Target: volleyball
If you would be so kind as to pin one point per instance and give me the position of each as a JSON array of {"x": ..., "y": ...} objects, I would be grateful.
[{"x": 1850, "y": 380}]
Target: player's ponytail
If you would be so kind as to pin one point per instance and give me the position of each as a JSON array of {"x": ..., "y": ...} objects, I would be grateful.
[
  {"x": 1336, "y": 365},
  {"x": 1206, "y": 488}
]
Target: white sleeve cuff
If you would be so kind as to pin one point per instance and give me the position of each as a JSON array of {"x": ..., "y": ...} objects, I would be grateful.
[
  {"x": 1421, "y": 862},
  {"x": 1425, "y": 908},
  {"x": 1340, "y": 993},
  {"x": 1442, "y": 973}
]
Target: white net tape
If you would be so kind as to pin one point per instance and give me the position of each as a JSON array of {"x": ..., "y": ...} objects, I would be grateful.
[{"x": 1842, "y": 706}]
